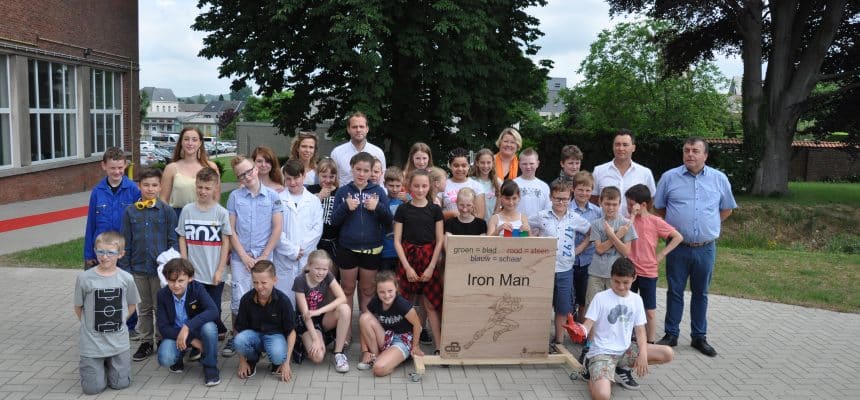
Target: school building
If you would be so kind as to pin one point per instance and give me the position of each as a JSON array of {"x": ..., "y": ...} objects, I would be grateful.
[{"x": 69, "y": 79}]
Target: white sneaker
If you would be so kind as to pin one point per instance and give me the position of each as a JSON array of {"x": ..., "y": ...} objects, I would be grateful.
[{"x": 341, "y": 364}]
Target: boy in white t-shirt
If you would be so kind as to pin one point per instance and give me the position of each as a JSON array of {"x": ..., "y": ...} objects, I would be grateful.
[
  {"x": 612, "y": 315},
  {"x": 534, "y": 193}
]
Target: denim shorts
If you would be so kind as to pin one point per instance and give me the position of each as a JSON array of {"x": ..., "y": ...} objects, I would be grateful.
[
  {"x": 400, "y": 341},
  {"x": 562, "y": 293}
]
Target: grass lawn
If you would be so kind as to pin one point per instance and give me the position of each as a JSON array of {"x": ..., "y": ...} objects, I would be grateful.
[
  {"x": 814, "y": 193},
  {"x": 68, "y": 255}
]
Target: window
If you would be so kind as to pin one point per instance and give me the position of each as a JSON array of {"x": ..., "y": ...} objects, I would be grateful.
[
  {"x": 106, "y": 109},
  {"x": 53, "y": 117},
  {"x": 5, "y": 129}
]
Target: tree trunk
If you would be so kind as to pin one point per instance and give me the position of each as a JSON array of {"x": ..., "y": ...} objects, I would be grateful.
[{"x": 771, "y": 176}]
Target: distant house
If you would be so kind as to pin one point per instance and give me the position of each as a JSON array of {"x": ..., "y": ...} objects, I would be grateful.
[
  {"x": 207, "y": 119},
  {"x": 166, "y": 114},
  {"x": 554, "y": 106},
  {"x": 161, "y": 100},
  {"x": 69, "y": 88}
]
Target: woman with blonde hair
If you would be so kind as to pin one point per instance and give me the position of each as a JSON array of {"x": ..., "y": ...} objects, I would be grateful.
[
  {"x": 304, "y": 149},
  {"x": 178, "y": 186},
  {"x": 507, "y": 163}
]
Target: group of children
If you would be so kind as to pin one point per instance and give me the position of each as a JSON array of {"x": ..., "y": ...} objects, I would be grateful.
[{"x": 297, "y": 257}]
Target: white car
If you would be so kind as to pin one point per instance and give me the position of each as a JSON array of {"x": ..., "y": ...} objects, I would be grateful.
[{"x": 147, "y": 158}]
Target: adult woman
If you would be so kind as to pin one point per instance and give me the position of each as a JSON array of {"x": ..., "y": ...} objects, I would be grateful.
[
  {"x": 177, "y": 181},
  {"x": 507, "y": 163},
  {"x": 304, "y": 149},
  {"x": 268, "y": 168}
]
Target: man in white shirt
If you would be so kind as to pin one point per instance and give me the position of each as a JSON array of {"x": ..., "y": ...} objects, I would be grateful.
[
  {"x": 622, "y": 172},
  {"x": 356, "y": 127}
]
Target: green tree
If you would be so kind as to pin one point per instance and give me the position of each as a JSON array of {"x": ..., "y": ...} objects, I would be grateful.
[
  {"x": 623, "y": 87},
  {"x": 242, "y": 94},
  {"x": 144, "y": 104},
  {"x": 787, "y": 47},
  {"x": 263, "y": 109},
  {"x": 421, "y": 70},
  {"x": 200, "y": 99}
]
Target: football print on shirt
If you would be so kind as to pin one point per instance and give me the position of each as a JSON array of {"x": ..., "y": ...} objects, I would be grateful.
[{"x": 108, "y": 310}]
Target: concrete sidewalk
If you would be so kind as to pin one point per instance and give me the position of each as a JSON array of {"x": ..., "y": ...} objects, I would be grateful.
[{"x": 766, "y": 351}]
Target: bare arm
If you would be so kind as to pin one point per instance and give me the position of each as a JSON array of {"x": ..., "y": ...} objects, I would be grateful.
[
  {"x": 79, "y": 310},
  {"x": 216, "y": 195},
  {"x": 584, "y": 245},
  {"x": 183, "y": 248},
  {"x": 641, "y": 363},
  {"x": 480, "y": 206},
  {"x": 167, "y": 182},
  {"x": 492, "y": 226},
  {"x": 725, "y": 214},
  {"x": 222, "y": 261},
  {"x": 412, "y": 317},
  {"x": 677, "y": 238}
]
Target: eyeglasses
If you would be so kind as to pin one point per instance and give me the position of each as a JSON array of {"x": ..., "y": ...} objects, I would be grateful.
[
  {"x": 107, "y": 253},
  {"x": 245, "y": 174},
  {"x": 560, "y": 199}
]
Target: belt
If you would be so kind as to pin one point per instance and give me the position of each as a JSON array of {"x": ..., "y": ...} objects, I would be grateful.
[
  {"x": 696, "y": 244},
  {"x": 375, "y": 250}
]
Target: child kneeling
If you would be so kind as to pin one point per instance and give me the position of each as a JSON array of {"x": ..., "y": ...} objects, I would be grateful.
[
  {"x": 613, "y": 313},
  {"x": 265, "y": 323},
  {"x": 312, "y": 289},
  {"x": 389, "y": 328},
  {"x": 194, "y": 328}
]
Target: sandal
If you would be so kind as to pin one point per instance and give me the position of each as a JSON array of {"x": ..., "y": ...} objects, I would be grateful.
[{"x": 363, "y": 366}]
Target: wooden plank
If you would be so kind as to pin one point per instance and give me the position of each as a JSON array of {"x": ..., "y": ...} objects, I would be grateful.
[{"x": 497, "y": 298}]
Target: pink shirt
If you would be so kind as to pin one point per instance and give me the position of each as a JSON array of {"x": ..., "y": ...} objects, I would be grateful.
[{"x": 643, "y": 250}]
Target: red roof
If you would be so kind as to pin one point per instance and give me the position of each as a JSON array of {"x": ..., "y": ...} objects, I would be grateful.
[{"x": 817, "y": 144}]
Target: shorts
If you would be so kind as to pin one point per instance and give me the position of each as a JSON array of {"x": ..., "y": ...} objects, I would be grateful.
[
  {"x": 400, "y": 341},
  {"x": 647, "y": 289},
  {"x": 562, "y": 293},
  {"x": 580, "y": 283},
  {"x": 348, "y": 259},
  {"x": 300, "y": 324},
  {"x": 388, "y": 264},
  {"x": 596, "y": 285},
  {"x": 603, "y": 365}
]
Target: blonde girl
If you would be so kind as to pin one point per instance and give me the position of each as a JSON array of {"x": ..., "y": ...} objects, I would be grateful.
[
  {"x": 420, "y": 157},
  {"x": 304, "y": 149},
  {"x": 484, "y": 172}
]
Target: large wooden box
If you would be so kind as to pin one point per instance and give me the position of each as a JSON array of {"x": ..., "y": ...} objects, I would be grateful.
[{"x": 497, "y": 297}]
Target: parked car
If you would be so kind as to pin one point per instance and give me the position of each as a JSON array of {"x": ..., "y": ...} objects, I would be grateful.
[
  {"x": 163, "y": 155},
  {"x": 210, "y": 149},
  {"x": 147, "y": 158}
]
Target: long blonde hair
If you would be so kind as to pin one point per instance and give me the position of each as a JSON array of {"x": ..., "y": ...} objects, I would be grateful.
[
  {"x": 422, "y": 147},
  {"x": 294, "y": 149}
]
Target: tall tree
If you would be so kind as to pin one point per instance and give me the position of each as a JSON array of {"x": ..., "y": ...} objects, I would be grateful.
[
  {"x": 420, "y": 70},
  {"x": 623, "y": 87},
  {"x": 241, "y": 94},
  {"x": 787, "y": 48}
]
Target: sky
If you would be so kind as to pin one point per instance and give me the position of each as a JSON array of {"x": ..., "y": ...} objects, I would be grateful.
[{"x": 169, "y": 47}]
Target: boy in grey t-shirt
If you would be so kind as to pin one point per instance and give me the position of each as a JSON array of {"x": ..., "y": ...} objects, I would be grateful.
[
  {"x": 104, "y": 298},
  {"x": 611, "y": 236}
]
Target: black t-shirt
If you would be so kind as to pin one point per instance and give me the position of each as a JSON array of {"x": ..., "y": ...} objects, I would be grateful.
[
  {"x": 419, "y": 223},
  {"x": 329, "y": 231},
  {"x": 315, "y": 296},
  {"x": 393, "y": 319},
  {"x": 477, "y": 227}
]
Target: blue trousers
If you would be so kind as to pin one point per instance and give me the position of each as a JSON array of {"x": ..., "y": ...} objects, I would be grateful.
[
  {"x": 250, "y": 344},
  {"x": 169, "y": 354},
  {"x": 697, "y": 265}
]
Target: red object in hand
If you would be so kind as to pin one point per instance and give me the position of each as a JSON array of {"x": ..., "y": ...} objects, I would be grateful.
[{"x": 575, "y": 330}]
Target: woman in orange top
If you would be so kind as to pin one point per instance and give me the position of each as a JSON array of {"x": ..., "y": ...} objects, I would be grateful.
[{"x": 507, "y": 163}]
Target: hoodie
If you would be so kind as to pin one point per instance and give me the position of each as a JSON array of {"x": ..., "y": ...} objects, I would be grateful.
[{"x": 361, "y": 229}]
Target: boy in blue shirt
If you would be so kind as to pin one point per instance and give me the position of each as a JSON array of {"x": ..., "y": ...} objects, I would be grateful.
[
  {"x": 186, "y": 319},
  {"x": 583, "y": 184},
  {"x": 149, "y": 229},
  {"x": 394, "y": 185}
]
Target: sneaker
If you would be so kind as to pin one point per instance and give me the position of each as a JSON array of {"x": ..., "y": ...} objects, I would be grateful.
[
  {"x": 253, "y": 370},
  {"x": 624, "y": 377},
  {"x": 364, "y": 366},
  {"x": 274, "y": 369},
  {"x": 229, "y": 348},
  {"x": 194, "y": 355},
  {"x": 144, "y": 351},
  {"x": 425, "y": 337},
  {"x": 211, "y": 376},
  {"x": 177, "y": 368},
  {"x": 341, "y": 364},
  {"x": 701, "y": 344},
  {"x": 668, "y": 340}
]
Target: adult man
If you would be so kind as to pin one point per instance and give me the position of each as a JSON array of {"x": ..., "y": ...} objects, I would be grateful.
[
  {"x": 621, "y": 172},
  {"x": 695, "y": 199},
  {"x": 356, "y": 127}
]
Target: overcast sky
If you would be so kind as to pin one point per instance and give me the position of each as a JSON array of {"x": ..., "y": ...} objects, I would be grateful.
[{"x": 169, "y": 47}]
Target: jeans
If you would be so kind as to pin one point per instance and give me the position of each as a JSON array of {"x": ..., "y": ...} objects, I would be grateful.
[
  {"x": 250, "y": 344},
  {"x": 697, "y": 265},
  {"x": 169, "y": 354},
  {"x": 215, "y": 292}
]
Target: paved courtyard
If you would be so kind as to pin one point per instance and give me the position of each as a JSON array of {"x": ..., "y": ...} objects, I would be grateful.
[{"x": 767, "y": 350}]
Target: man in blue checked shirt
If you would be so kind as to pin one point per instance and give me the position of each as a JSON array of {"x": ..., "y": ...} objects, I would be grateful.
[{"x": 695, "y": 199}]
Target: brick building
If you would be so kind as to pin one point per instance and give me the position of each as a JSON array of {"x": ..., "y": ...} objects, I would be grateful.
[{"x": 69, "y": 84}]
